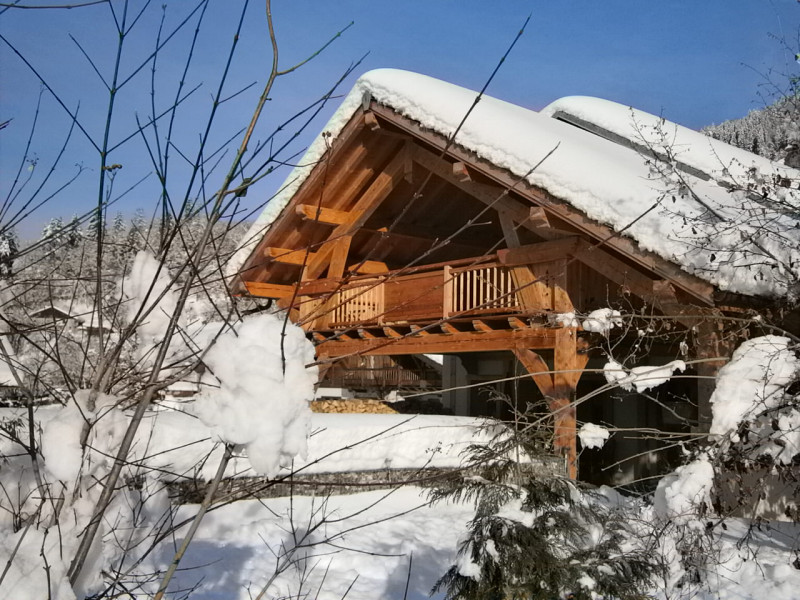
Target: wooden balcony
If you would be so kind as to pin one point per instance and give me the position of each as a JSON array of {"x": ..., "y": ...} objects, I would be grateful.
[{"x": 438, "y": 292}]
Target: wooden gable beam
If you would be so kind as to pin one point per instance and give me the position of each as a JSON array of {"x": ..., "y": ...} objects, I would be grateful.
[
  {"x": 369, "y": 201},
  {"x": 322, "y": 215},
  {"x": 297, "y": 257},
  {"x": 287, "y": 256},
  {"x": 487, "y": 194},
  {"x": 458, "y": 341},
  {"x": 269, "y": 290},
  {"x": 594, "y": 257},
  {"x": 345, "y": 155},
  {"x": 537, "y": 253},
  {"x": 614, "y": 269}
]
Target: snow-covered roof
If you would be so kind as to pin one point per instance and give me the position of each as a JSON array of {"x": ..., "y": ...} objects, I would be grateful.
[
  {"x": 694, "y": 152},
  {"x": 699, "y": 218}
]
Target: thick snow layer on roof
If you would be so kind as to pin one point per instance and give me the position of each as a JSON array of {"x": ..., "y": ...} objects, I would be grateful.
[{"x": 727, "y": 238}]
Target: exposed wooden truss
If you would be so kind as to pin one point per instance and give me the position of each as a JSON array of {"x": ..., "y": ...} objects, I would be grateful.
[{"x": 349, "y": 258}]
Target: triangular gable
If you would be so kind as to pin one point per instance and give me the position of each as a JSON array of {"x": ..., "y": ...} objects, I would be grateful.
[{"x": 598, "y": 182}]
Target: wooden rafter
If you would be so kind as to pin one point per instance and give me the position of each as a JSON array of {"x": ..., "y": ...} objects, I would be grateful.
[
  {"x": 369, "y": 201},
  {"x": 483, "y": 326},
  {"x": 699, "y": 289}
]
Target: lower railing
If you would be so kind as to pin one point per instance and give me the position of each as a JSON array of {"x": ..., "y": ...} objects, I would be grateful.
[{"x": 389, "y": 377}]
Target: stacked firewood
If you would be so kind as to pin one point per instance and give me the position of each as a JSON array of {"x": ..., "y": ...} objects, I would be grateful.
[{"x": 352, "y": 406}]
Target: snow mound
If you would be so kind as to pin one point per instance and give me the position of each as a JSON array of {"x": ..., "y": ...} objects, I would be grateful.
[
  {"x": 682, "y": 495},
  {"x": 751, "y": 389},
  {"x": 753, "y": 380}
]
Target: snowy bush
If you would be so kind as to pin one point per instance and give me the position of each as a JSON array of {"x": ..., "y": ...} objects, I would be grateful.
[{"x": 537, "y": 536}]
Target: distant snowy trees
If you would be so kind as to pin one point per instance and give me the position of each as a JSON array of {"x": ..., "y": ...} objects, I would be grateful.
[{"x": 772, "y": 131}]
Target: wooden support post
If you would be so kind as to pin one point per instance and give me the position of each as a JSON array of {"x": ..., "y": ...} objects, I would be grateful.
[
  {"x": 341, "y": 248},
  {"x": 538, "y": 370},
  {"x": 569, "y": 366},
  {"x": 509, "y": 230},
  {"x": 558, "y": 387}
]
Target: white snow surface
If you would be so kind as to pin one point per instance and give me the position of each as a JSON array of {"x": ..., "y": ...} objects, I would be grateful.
[
  {"x": 147, "y": 289},
  {"x": 753, "y": 380},
  {"x": 602, "y": 320},
  {"x": 368, "y": 542},
  {"x": 752, "y": 388},
  {"x": 757, "y": 254},
  {"x": 368, "y": 539},
  {"x": 683, "y": 492},
  {"x": 262, "y": 389},
  {"x": 720, "y": 161},
  {"x": 592, "y": 435}
]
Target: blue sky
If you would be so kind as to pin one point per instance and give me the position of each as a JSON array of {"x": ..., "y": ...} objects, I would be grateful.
[{"x": 694, "y": 62}]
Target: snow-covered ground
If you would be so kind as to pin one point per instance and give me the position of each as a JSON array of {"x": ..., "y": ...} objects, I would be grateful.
[
  {"x": 366, "y": 541},
  {"x": 360, "y": 545},
  {"x": 369, "y": 540}
]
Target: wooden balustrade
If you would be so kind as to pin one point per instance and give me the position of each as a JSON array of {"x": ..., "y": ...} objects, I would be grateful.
[
  {"x": 449, "y": 291},
  {"x": 481, "y": 289},
  {"x": 362, "y": 304}
]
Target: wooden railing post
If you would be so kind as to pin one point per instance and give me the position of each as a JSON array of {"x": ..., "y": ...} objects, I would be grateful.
[{"x": 449, "y": 284}]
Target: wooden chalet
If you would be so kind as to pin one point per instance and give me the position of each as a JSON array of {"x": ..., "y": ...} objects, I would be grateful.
[{"x": 398, "y": 241}]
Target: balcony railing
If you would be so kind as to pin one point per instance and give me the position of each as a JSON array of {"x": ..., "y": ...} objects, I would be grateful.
[
  {"x": 481, "y": 289},
  {"x": 440, "y": 291}
]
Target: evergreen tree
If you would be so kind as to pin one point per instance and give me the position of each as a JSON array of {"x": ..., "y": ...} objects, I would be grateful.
[
  {"x": 96, "y": 225},
  {"x": 534, "y": 536},
  {"x": 8, "y": 252}
]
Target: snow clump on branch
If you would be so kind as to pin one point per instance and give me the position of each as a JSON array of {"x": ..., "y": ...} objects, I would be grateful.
[
  {"x": 149, "y": 298},
  {"x": 593, "y": 436},
  {"x": 602, "y": 320},
  {"x": 640, "y": 378},
  {"x": 261, "y": 398}
]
